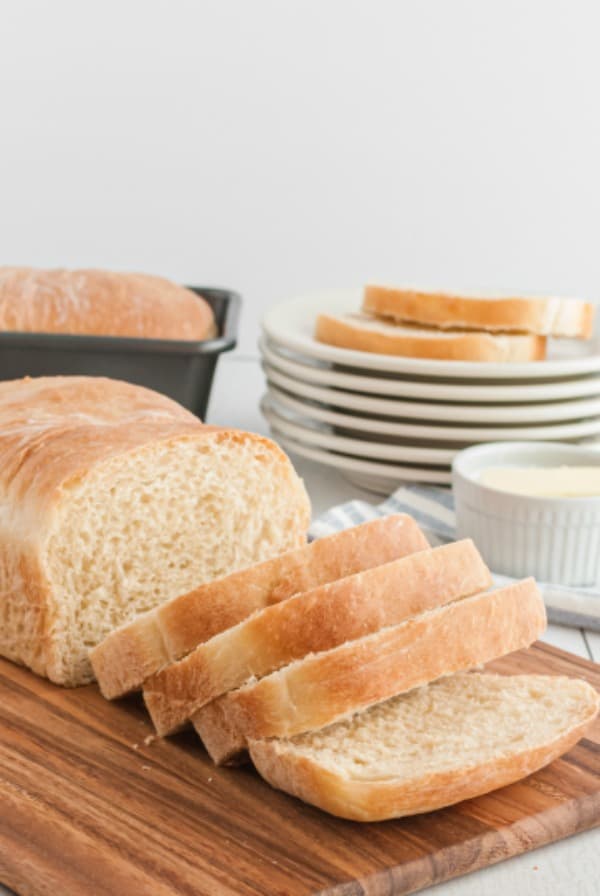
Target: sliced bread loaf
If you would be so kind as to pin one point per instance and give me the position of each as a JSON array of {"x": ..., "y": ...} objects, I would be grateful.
[
  {"x": 542, "y": 316},
  {"x": 114, "y": 499},
  {"x": 368, "y": 334},
  {"x": 312, "y": 622},
  {"x": 449, "y": 741},
  {"x": 314, "y": 692},
  {"x": 132, "y": 653}
]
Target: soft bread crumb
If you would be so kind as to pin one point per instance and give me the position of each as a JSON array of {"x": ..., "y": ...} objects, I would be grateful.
[
  {"x": 156, "y": 522},
  {"x": 460, "y": 721}
]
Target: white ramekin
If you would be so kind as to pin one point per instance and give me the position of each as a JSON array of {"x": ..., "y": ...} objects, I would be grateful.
[{"x": 555, "y": 540}]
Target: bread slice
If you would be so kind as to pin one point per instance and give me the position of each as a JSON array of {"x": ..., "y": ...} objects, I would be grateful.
[
  {"x": 223, "y": 741},
  {"x": 368, "y": 334},
  {"x": 101, "y": 303},
  {"x": 312, "y": 622},
  {"x": 113, "y": 499},
  {"x": 551, "y": 316},
  {"x": 324, "y": 687},
  {"x": 449, "y": 741},
  {"x": 132, "y": 653}
]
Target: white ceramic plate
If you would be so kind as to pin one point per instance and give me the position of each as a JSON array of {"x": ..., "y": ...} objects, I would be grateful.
[
  {"x": 320, "y": 436},
  {"x": 321, "y": 373},
  {"x": 587, "y": 411},
  {"x": 376, "y": 477},
  {"x": 291, "y": 324},
  {"x": 390, "y": 430}
]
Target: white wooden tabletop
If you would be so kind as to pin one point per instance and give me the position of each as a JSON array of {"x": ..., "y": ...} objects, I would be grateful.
[{"x": 571, "y": 866}]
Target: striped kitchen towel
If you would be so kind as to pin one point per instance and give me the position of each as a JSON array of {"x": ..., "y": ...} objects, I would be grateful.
[{"x": 433, "y": 509}]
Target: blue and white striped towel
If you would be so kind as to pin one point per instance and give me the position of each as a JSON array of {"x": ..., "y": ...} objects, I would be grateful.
[{"x": 433, "y": 509}]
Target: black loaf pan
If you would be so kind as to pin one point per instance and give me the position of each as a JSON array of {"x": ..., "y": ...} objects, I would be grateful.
[{"x": 181, "y": 369}]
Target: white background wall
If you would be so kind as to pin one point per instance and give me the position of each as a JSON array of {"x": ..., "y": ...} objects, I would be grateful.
[{"x": 282, "y": 145}]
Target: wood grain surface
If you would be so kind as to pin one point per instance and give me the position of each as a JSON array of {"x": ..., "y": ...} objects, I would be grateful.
[{"x": 88, "y": 808}]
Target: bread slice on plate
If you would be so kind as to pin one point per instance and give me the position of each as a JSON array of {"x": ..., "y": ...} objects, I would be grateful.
[
  {"x": 452, "y": 740},
  {"x": 324, "y": 687},
  {"x": 369, "y": 334},
  {"x": 134, "y": 652},
  {"x": 114, "y": 499},
  {"x": 551, "y": 316},
  {"x": 311, "y": 622}
]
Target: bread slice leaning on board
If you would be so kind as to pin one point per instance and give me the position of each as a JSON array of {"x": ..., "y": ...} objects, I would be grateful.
[
  {"x": 101, "y": 303},
  {"x": 312, "y": 622},
  {"x": 368, "y": 334},
  {"x": 318, "y": 690},
  {"x": 448, "y": 741},
  {"x": 128, "y": 656},
  {"x": 114, "y": 499},
  {"x": 552, "y": 316}
]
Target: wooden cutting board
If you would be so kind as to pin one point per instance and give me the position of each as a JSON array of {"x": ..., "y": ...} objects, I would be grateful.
[{"x": 87, "y": 808}]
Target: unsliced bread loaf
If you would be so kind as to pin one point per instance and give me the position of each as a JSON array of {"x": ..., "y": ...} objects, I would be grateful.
[
  {"x": 101, "y": 303},
  {"x": 324, "y": 687},
  {"x": 129, "y": 655},
  {"x": 367, "y": 334},
  {"x": 510, "y": 314},
  {"x": 449, "y": 741},
  {"x": 312, "y": 622},
  {"x": 114, "y": 499}
]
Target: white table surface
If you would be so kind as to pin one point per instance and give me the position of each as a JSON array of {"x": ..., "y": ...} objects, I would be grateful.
[{"x": 570, "y": 866}]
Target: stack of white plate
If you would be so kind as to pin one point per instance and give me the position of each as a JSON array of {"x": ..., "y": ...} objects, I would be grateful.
[{"x": 384, "y": 420}]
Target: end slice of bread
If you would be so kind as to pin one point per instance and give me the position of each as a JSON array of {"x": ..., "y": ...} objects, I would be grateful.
[
  {"x": 368, "y": 334},
  {"x": 544, "y": 316},
  {"x": 124, "y": 532},
  {"x": 132, "y": 653},
  {"x": 325, "y": 687},
  {"x": 452, "y": 740},
  {"x": 312, "y": 622}
]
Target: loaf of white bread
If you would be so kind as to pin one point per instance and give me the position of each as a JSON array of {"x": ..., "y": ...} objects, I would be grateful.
[
  {"x": 175, "y": 553},
  {"x": 346, "y": 678},
  {"x": 101, "y": 303},
  {"x": 113, "y": 500},
  {"x": 456, "y": 327}
]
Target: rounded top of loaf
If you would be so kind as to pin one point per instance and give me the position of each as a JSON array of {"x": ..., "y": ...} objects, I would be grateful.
[
  {"x": 67, "y": 401},
  {"x": 53, "y": 430},
  {"x": 101, "y": 303}
]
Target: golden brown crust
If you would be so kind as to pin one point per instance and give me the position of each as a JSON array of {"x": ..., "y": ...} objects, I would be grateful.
[
  {"x": 223, "y": 743},
  {"x": 313, "y": 622},
  {"x": 101, "y": 303},
  {"x": 542, "y": 316},
  {"x": 350, "y": 332},
  {"x": 124, "y": 660},
  {"x": 364, "y": 800},
  {"x": 322, "y": 688},
  {"x": 54, "y": 430}
]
